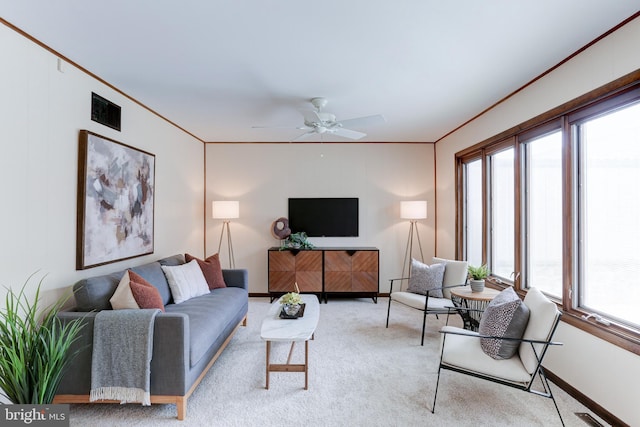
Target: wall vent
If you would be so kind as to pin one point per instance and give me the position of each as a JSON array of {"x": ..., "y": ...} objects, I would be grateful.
[
  {"x": 105, "y": 112},
  {"x": 588, "y": 419}
]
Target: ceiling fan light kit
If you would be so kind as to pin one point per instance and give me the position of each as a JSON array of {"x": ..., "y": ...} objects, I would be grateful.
[{"x": 318, "y": 122}]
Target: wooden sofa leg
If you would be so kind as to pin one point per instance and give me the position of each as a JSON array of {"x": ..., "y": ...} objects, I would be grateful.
[{"x": 181, "y": 406}]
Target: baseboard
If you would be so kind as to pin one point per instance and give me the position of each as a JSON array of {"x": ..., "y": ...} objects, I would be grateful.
[
  {"x": 259, "y": 294},
  {"x": 585, "y": 400},
  {"x": 267, "y": 295}
]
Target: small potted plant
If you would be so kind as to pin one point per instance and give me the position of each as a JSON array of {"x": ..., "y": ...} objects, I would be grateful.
[
  {"x": 291, "y": 302},
  {"x": 477, "y": 276}
]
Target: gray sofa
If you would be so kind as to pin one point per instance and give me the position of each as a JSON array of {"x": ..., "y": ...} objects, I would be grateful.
[{"x": 187, "y": 338}]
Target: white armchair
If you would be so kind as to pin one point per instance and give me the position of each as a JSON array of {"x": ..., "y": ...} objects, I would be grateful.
[
  {"x": 455, "y": 274},
  {"x": 461, "y": 351}
]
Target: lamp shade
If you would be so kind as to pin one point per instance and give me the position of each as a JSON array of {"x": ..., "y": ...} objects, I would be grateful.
[
  {"x": 415, "y": 209},
  {"x": 225, "y": 209}
]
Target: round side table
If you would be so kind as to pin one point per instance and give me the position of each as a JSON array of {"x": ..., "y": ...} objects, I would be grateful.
[{"x": 465, "y": 298}]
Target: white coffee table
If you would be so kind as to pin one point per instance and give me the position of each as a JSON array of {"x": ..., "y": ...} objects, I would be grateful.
[{"x": 301, "y": 329}]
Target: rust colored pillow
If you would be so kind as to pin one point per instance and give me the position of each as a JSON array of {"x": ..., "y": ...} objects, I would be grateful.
[
  {"x": 145, "y": 294},
  {"x": 135, "y": 277},
  {"x": 211, "y": 270}
]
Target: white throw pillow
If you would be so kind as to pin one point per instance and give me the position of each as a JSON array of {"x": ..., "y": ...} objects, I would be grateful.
[
  {"x": 186, "y": 281},
  {"x": 123, "y": 297}
]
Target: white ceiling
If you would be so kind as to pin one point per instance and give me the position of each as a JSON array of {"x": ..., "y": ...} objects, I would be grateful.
[{"x": 217, "y": 68}]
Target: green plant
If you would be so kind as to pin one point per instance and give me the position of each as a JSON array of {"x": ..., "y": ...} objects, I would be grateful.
[
  {"x": 34, "y": 347},
  {"x": 291, "y": 298},
  {"x": 297, "y": 241},
  {"x": 479, "y": 273}
]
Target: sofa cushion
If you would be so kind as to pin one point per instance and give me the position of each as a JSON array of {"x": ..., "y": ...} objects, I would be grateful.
[
  {"x": 505, "y": 316},
  {"x": 123, "y": 297},
  {"x": 211, "y": 269},
  {"x": 93, "y": 293},
  {"x": 186, "y": 281},
  {"x": 172, "y": 260},
  {"x": 424, "y": 277},
  {"x": 210, "y": 317},
  {"x": 152, "y": 273}
]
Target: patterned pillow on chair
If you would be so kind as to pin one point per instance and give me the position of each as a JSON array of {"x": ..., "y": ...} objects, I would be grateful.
[
  {"x": 505, "y": 316},
  {"x": 424, "y": 277}
]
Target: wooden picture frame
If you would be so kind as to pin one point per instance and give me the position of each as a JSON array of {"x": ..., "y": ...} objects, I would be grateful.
[{"x": 116, "y": 195}]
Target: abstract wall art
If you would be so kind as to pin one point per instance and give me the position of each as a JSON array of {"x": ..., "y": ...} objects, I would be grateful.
[{"x": 116, "y": 188}]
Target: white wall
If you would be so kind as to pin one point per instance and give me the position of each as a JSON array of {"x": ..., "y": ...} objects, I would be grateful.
[
  {"x": 596, "y": 368},
  {"x": 263, "y": 176},
  {"x": 41, "y": 113}
]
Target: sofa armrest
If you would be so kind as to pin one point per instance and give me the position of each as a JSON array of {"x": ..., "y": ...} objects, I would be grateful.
[
  {"x": 169, "y": 365},
  {"x": 238, "y": 278}
]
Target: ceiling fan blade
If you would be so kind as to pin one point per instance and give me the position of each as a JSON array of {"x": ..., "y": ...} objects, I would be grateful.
[
  {"x": 363, "y": 121},
  {"x": 347, "y": 133},
  {"x": 303, "y": 136}
]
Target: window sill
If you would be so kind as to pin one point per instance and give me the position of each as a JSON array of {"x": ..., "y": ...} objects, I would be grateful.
[{"x": 614, "y": 334}]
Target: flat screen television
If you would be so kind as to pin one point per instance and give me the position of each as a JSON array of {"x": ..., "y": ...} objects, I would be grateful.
[{"x": 324, "y": 217}]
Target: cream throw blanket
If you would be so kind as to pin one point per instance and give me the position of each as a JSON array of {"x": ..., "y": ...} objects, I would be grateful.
[{"x": 121, "y": 360}]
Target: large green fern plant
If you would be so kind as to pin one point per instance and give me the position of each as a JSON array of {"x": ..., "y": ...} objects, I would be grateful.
[{"x": 34, "y": 347}]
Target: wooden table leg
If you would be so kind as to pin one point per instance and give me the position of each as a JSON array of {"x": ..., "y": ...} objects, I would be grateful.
[
  {"x": 306, "y": 365},
  {"x": 268, "y": 351},
  {"x": 293, "y": 343}
]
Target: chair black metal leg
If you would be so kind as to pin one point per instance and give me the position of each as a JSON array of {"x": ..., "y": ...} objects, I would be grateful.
[
  {"x": 388, "y": 310},
  {"x": 435, "y": 395},
  {"x": 424, "y": 324},
  {"x": 545, "y": 384}
]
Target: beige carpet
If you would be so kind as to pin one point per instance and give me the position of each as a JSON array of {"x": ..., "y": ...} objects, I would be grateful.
[{"x": 361, "y": 374}]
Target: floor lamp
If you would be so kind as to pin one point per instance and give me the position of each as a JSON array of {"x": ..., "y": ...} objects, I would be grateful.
[
  {"x": 413, "y": 211},
  {"x": 226, "y": 210}
]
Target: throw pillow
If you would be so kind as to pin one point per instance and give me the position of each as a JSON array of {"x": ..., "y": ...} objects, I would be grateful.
[
  {"x": 424, "y": 277},
  {"x": 186, "y": 281},
  {"x": 146, "y": 295},
  {"x": 211, "y": 269},
  {"x": 505, "y": 316},
  {"x": 123, "y": 298}
]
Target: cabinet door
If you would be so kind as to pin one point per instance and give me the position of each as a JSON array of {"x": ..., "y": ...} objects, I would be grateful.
[
  {"x": 337, "y": 271},
  {"x": 308, "y": 273},
  {"x": 364, "y": 277},
  {"x": 282, "y": 271}
]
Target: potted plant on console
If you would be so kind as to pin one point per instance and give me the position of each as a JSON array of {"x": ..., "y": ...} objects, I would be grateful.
[
  {"x": 477, "y": 276},
  {"x": 297, "y": 240}
]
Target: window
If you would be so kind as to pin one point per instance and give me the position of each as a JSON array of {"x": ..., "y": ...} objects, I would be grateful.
[
  {"x": 609, "y": 229},
  {"x": 554, "y": 203},
  {"x": 501, "y": 214},
  {"x": 542, "y": 213},
  {"x": 473, "y": 211}
]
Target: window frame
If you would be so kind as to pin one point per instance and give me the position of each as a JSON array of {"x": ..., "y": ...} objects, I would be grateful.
[
  {"x": 462, "y": 219},
  {"x": 600, "y": 101},
  {"x": 524, "y": 141}
]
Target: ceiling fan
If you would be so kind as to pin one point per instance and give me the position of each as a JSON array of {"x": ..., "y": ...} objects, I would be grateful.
[{"x": 317, "y": 122}]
